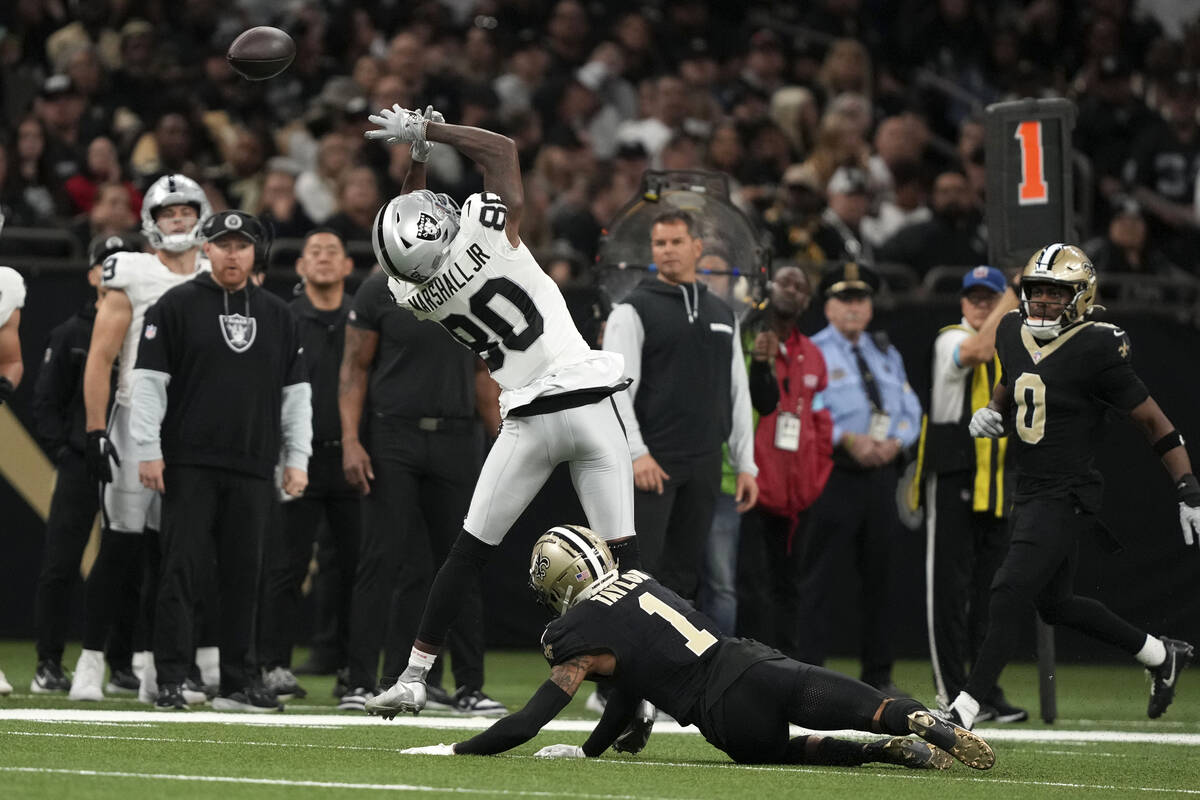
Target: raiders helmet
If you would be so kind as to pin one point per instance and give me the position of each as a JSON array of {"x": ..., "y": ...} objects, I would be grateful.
[
  {"x": 1062, "y": 265},
  {"x": 570, "y": 563},
  {"x": 173, "y": 190},
  {"x": 413, "y": 233},
  {"x": 242, "y": 224},
  {"x": 103, "y": 246}
]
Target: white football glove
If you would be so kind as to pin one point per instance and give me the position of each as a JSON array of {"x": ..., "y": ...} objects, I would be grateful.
[
  {"x": 560, "y": 751},
  {"x": 398, "y": 125},
  {"x": 422, "y": 149},
  {"x": 1189, "y": 508},
  {"x": 430, "y": 750},
  {"x": 987, "y": 423}
]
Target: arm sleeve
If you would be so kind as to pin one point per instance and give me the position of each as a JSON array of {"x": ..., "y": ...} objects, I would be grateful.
[
  {"x": 147, "y": 409},
  {"x": 618, "y": 713},
  {"x": 741, "y": 435},
  {"x": 520, "y": 726},
  {"x": 51, "y": 393},
  {"x": 764, "y": 388},
  {"x": 624, "y": 334},
  {"x": 296, "y": 413}
]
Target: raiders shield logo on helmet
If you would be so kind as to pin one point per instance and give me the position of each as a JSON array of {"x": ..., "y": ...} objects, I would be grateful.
[
  {"x": 427, "y": 228},
  {"x": 239, "y": 331}
]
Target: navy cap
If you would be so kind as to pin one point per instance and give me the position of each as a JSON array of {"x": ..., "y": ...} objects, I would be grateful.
[
  {"x": 989, "y": 277},
  {"x": 848, "y": 277}
]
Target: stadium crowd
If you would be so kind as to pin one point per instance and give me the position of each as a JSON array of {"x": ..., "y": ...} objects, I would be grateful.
[{"x": 851, "y": 132}]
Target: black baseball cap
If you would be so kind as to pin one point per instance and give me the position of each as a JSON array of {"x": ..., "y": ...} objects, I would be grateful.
[
  {"x": 848, "y": 277},
  {"x": 238, "y": 222},
  {"x": 102, "y": 247}
]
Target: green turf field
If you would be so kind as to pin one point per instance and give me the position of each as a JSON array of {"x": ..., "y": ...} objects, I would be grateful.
[{"x": 1102, "y": 746}]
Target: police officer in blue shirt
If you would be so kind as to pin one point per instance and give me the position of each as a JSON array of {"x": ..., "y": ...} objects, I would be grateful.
[{"x": 875, "y": 416}]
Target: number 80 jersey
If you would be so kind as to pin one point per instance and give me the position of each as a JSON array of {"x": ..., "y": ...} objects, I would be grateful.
[{"x": 495, "y": 299}]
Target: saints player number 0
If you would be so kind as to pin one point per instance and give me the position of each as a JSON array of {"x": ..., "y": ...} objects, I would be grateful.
[
  {"x": 697, "y": 639},
  {"x": 470, "y": 333},
  {"x": 1031, "y": 408},
  {"x": 1033, "y": 189}
]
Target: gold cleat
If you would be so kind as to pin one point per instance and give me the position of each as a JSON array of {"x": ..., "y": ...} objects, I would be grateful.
[{"x": 967, "y": 747}]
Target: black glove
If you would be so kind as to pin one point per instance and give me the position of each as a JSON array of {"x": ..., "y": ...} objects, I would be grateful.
[
  {"x": 6, "y": 390},
  {"x": 638, "y": 732},
  {"x": 99, "y": 450}
]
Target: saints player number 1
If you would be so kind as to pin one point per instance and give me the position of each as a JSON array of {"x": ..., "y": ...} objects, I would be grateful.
[{"x": 698, "y": 639}]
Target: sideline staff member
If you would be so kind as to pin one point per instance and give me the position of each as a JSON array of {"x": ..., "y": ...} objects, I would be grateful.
[{"x": 221, "y": 370}]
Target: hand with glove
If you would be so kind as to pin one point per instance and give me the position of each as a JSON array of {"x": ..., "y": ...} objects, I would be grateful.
[
  {"x": 1188, "y": 490},
  {"x": 987, "y": 423},
  {"x": 560, "y": 751},
  {"x": 99, "y": 450},
  {"x": 422, "y": 149},
  {"x": 398, "y": 125},
  {"x": 430, "y": 750}
]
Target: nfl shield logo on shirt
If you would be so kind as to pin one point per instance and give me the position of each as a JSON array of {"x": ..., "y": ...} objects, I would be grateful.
[
  {"x": 151, "y": 331},
  {"x": 238, "y": 331}
]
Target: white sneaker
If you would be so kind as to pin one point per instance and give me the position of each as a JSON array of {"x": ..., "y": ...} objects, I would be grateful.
[
  {"x": 406, "y": 697},
  {"x": 5, "y": 686},
  {"x": 208, "y": 659},
  {"x": 148, "y": 691},
  {"x": 89, "y": 677},
  {"x": 595, "y": 703},
  {"x": 139, "y": 662}
]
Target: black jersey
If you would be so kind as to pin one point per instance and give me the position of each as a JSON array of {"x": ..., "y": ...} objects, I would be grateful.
[
  {"x": 1060, "y": 390},
  {"x": 666, "y": 651}
]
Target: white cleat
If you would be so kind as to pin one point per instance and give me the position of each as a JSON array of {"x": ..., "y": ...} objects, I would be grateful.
[
  {"x": 89, "y": 677},
  {"x": 5, "y": 686},
  {"x": 408, "y": 698}
]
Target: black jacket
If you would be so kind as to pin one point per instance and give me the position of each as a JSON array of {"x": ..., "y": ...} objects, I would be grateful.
[
  {"x": 229, "y": 356},
  {"x": 59, "y": 418},
  {"x": 323, "y": 336}
]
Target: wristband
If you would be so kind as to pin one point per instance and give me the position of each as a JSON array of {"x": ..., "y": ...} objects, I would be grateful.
[
  {"x": 1188, "y": 489},
  {"x": 1168, "y": 443}
]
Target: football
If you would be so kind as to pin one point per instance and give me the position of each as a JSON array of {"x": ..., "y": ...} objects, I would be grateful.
[{"x": 261, "y": 53}]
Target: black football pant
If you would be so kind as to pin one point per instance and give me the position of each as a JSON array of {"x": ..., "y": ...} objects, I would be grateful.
[
  {"x": 420, "y": 495},
  {"x": 851, "y": 527},
  {"x": 210, "y": 517},
  {"x": 289, "y": 548},
  {"x": 1039, "y": 571},
  {"x": 672, "y": 527},
  {"x": 964, "y": 548},
  {"x": 73, "y": 509},
  {"x": 768, "y": 579},
  {"x": 750, "y": 719}
]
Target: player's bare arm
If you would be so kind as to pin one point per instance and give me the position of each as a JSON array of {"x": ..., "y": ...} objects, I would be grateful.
[
  {"x": 113, "y": 317},
  {"x": 1161, "y": 434},
  {"x": 497, "y": 155},
  {"x": 361, "y": 346},
  {"x": 980, "y": 347},
  {"x": 11, "y": 365}
]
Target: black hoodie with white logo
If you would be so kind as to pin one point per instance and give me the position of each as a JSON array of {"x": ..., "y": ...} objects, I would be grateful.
[{"x": 222, "y": 375}]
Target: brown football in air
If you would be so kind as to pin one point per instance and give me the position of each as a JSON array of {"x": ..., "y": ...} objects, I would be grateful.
[{"x": 261, "y": 53}]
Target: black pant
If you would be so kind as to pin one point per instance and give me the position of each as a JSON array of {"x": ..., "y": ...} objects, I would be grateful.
[
  {"x": 768, "y": 579},
  {"x": 964, "y": 548},
  {"x": 288, "y": 551},
  {"x": 1039, "y": 570},
  {"x": 210, "y": 516},
  {"x": 421, "y": 492},
  {"x": 72, "y": 513},
  {"x": 673, "y": 527},
  {"x": 855, "y": 520}
]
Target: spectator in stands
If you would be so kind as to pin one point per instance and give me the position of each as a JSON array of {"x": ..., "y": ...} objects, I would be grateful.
[
  {"x": 316, "y": 188},
  {"x": 168, "y": 149},
  {"x": 1126, "y": 247},
  {"x": 847, "y": 68},
  {"x": 527, "y": 66},
  {"x": 16, "y": 211},
  {"x": 900, "y": 139},
  {"x": 111, "y": 215},
  {"x": 795, "y": 216},
  {"x": 568, "y": 33},
  {"x": 875, "y": 416},
  {"x": 762, "y": 69},
  {"x": 60, "y": 107},
  {"x": 246, "y": 158},
  {"x": 839, "y": 143},
  {"x": 32, "y": 173},
  {"x": 358, "y": 200},
  {"x": 102, "y": 166},
  {"x": 280, "y": 211},
  {"x": 904, "y": 205},
  {"x": 953, "y": 237},
  {"x": 661, "y": 121},
  {"x": 1111, "y": 116},
  {"x": 840, "y": 234}
]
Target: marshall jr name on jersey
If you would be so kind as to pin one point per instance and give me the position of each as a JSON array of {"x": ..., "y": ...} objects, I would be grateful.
[{"x": 444, "y": 286}]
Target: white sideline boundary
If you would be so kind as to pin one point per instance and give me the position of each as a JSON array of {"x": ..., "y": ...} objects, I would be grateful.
[{"x": 104, "y": 717}]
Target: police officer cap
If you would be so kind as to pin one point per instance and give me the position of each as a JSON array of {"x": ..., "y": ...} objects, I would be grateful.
[
  {"x": 104, "y": 246},
  {"x": 238, "y": 222},
  {"x": 848, "y": 277}
]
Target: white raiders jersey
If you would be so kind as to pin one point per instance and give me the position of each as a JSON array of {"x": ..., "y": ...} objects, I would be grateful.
[
  {"x": 143, "y": 279},
  {"x": 12, "y": 292},
  {"x": 496, "y": 300}
]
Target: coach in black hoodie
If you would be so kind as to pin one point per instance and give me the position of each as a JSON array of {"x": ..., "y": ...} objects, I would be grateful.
[
  {"x": 689, "y": 394},
  {"x": 220, "y": 374}
]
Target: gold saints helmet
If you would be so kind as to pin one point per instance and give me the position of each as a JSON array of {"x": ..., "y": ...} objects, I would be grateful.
[
  {"x": 570, "y": 563},
  {"x": 1064, "y": 265}
]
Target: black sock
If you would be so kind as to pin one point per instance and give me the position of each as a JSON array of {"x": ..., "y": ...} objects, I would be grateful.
[
  {"x": 626, "y": 553},
  {"x": 464, "y": 563},
  {"x": 894, "y": 718},
  {"x": 825, "y": 751}
]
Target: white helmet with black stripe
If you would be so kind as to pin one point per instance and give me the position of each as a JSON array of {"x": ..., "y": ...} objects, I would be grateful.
[
  {"x": 570, "y": 563},
  {"x": 412, "y": 234},
  {"x": 173, "y": 190}
]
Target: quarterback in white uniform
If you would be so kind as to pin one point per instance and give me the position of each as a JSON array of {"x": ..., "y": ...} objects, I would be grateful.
[
  {"x": 468, "y": 270},
  {"x": 12, "y": 299},
  {"x": 172, "y": 212}
]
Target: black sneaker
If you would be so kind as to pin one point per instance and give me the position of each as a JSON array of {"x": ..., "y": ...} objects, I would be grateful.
[
  {"x": 438, "y": 699},
  {"x": 122, "y": 681},
  {"x": 956, "y": 740},
  {"x": 170, "y": 698},
  {"x": 355, "y": 699},
  {"x": 908, "y": 752},
  {"x": 1004, "y": 711},
  {"x": 1166, "y": 675},
  {"x": 253, "y": 699},
  {"x": 476, "y": 704},
  {"x": 49, "y": 678},
  {"x": 282, "y": 682}
]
